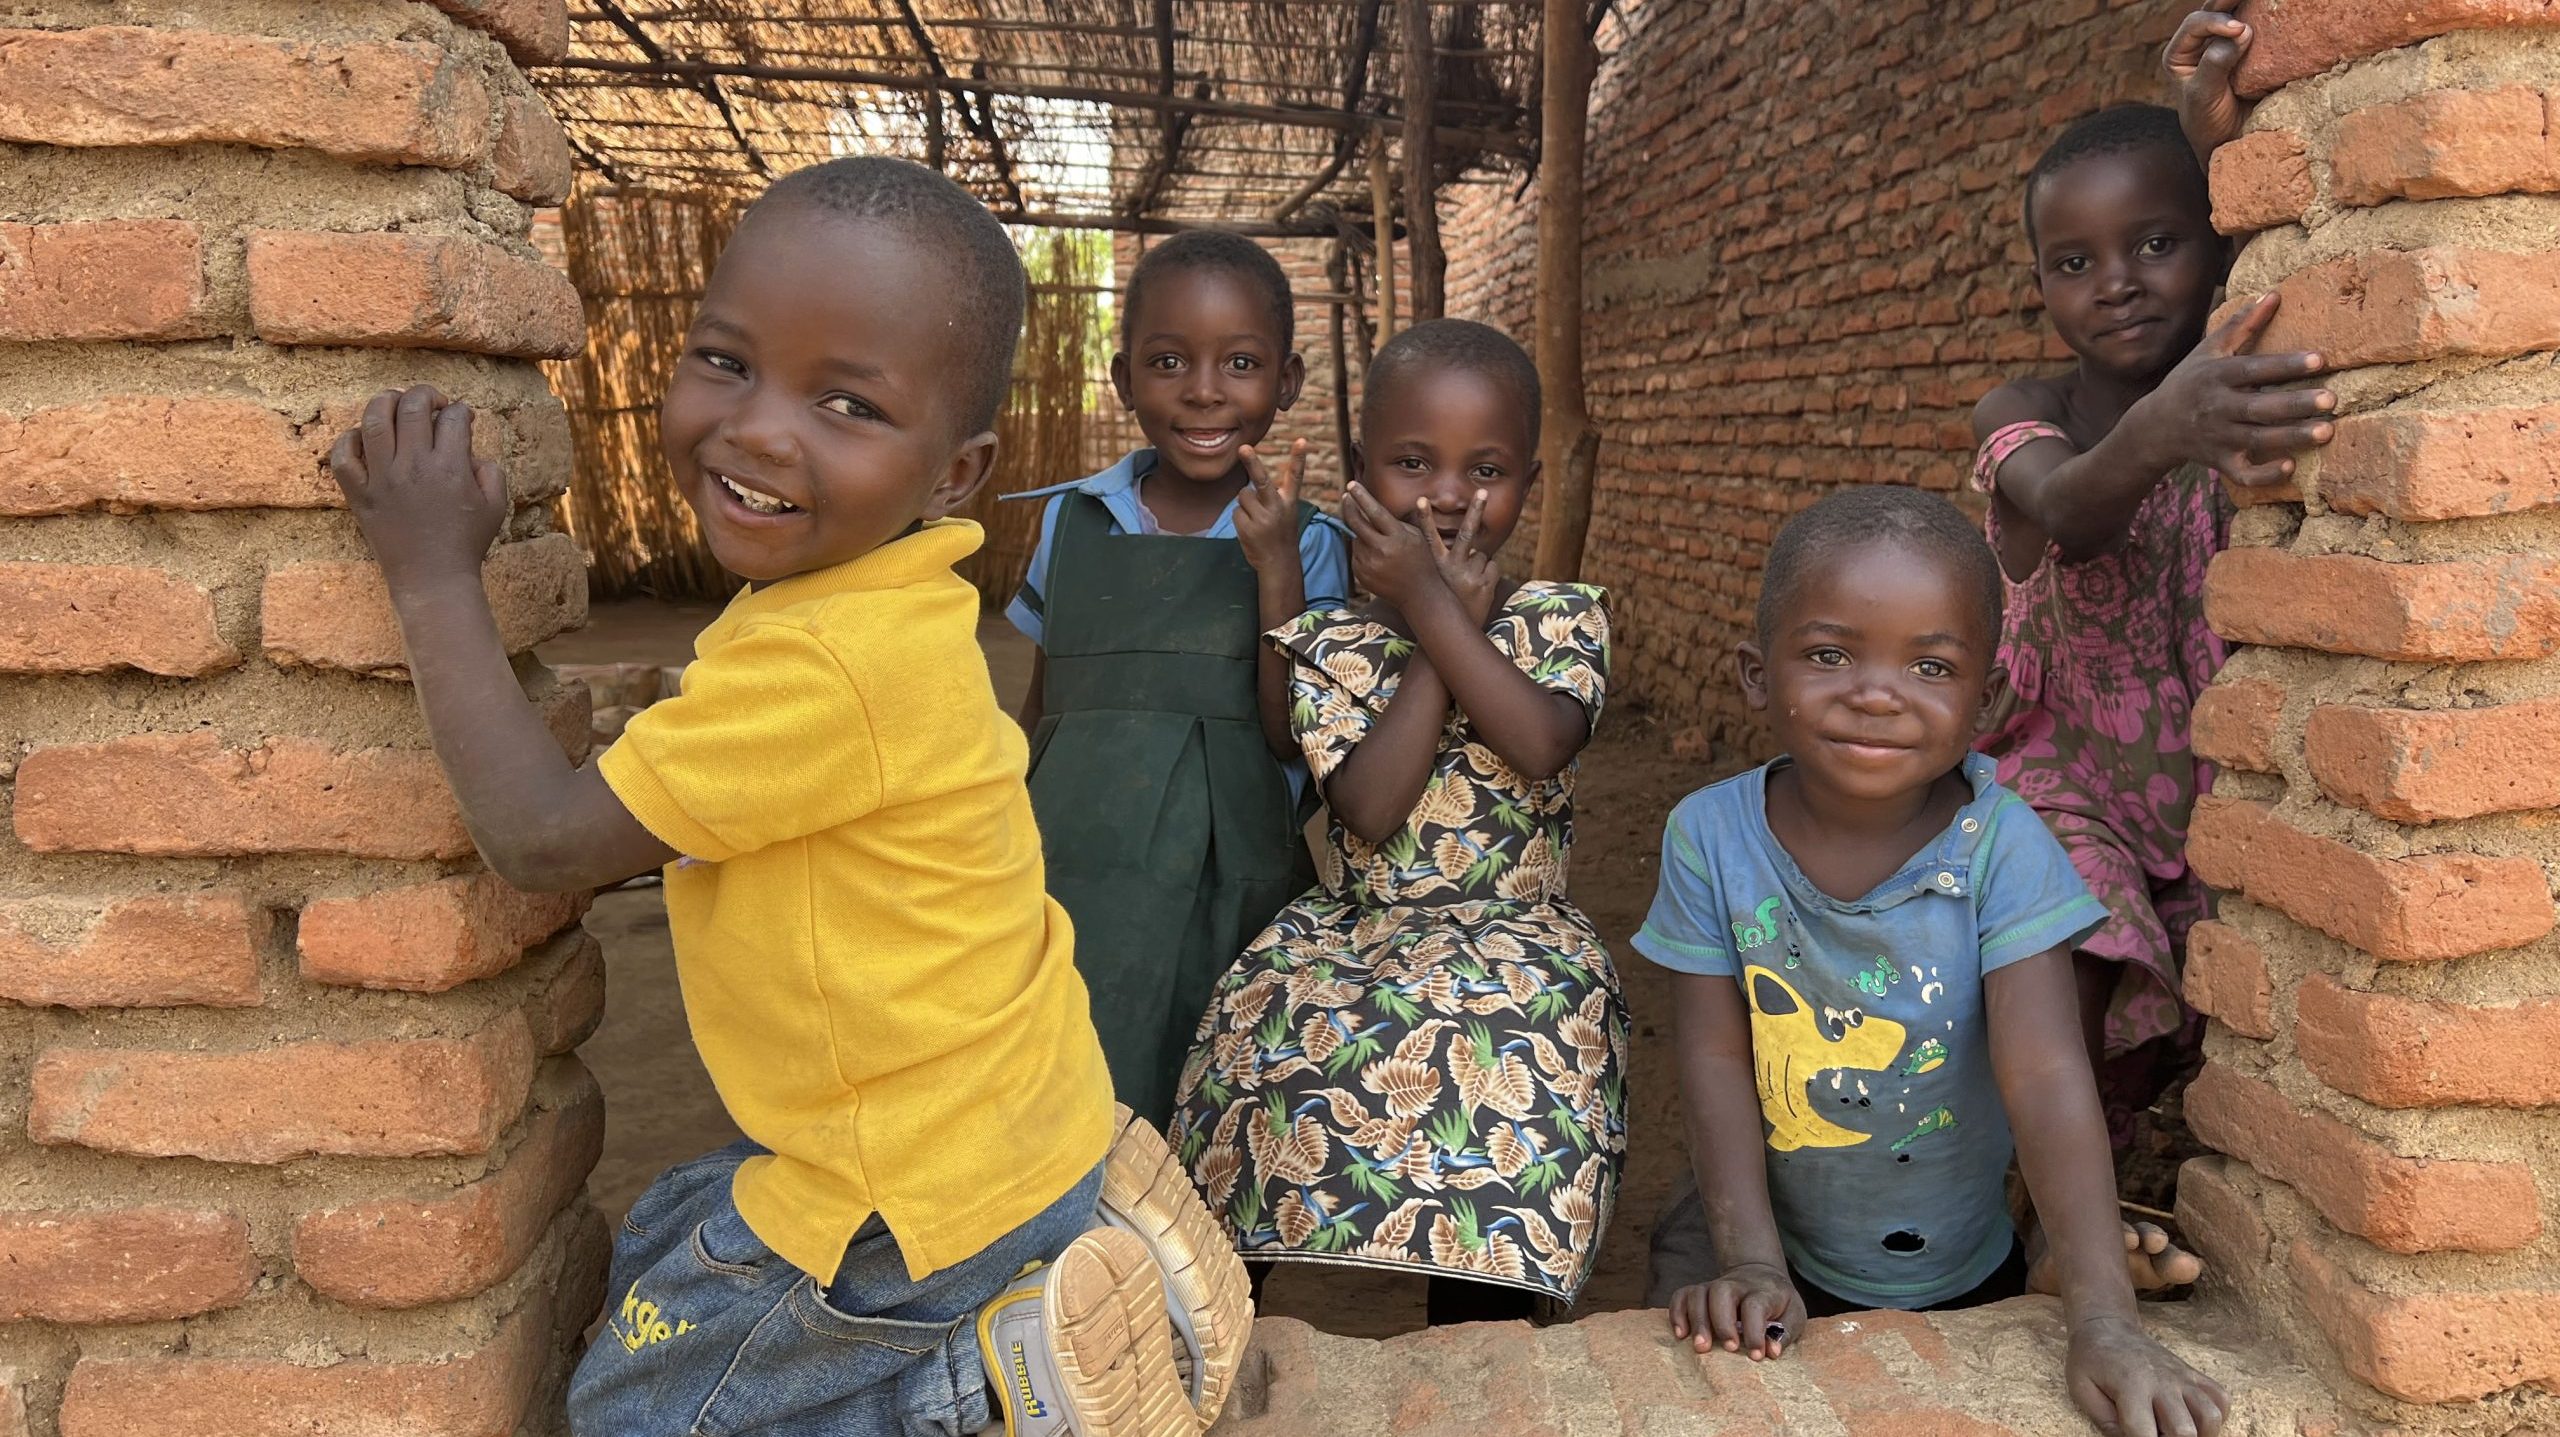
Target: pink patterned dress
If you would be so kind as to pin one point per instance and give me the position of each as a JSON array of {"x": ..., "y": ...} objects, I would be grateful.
[{"x": 2108, "y": 657}]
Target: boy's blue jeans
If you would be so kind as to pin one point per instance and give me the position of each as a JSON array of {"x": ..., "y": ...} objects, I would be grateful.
[{"x": 708, "y": 1333}]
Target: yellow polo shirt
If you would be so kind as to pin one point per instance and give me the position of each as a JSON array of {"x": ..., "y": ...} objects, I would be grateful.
[{"x": 883, "y": 991}]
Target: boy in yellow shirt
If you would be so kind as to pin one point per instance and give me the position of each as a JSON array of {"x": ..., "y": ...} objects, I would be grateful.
[{"x": 920, "y": 1235}]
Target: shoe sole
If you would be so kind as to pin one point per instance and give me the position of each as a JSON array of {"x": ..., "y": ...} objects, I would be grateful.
[
  {"x": 1147, "y": 1189},
  {"x": 1113, "y": 1347}
]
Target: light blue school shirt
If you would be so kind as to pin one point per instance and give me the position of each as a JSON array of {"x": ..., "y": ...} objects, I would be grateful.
[
  {"x": 1888, "y": 1145},
  {"x": 1324, "y": 546}
]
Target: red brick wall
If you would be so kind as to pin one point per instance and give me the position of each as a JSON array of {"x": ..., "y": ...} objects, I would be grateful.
[
  {"x": 290, "y": 1133},
  {"x": 2384, "y": 1021},
  {"x": 1804, "y": 266}
]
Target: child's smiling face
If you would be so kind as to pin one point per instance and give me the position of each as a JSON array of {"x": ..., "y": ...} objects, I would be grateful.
[
  {"x": 1441, "y": 433},
  {"x": 1206, "y": 370},
  {"x": 2127, "y": 260},
  {"x": 813, "y": 416},
  {"x": 1877, "y": 671}
]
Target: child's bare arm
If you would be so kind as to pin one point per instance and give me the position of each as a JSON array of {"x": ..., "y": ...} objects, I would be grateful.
[
  {"x": 430, "y": 512},
  {"x": 2201, "y": 59},
  {"x": 2213, "y": 409},
  {"x": 1753, "y": 1293},
  {"x": 2126, "y": 1382},
  {"x": 1267, "y": 530}
]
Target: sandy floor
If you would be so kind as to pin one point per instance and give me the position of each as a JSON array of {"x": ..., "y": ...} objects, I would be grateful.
[{"x": 663, "y": 1109}]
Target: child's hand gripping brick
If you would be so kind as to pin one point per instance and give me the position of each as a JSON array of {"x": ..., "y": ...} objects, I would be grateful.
[
  {"x": 429, "y": 510},
  {"x": 2215, "y": 409},
  {"x": 2200, "y": 59},
  {"x": 1752, "y": 1309}
]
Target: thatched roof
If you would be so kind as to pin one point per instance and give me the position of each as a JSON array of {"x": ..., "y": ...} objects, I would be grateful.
[{"x": 1054, "y": 111}]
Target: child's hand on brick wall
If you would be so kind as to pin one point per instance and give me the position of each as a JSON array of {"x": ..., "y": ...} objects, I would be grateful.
[
  {"x": 1752, "y": 1309},
  {"x": 2215, "y": 408},
  {"x": 428, "y": 509},
  {"x": 2200, "y": 60}
]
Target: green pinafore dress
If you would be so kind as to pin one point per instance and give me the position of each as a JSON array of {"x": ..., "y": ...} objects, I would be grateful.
[{"x": 1169, "y": 829}]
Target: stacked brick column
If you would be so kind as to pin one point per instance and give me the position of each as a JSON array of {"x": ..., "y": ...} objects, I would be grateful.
[
  {"x": 2384, "y": 1059},
  {"x": 289, "y": 1136}
]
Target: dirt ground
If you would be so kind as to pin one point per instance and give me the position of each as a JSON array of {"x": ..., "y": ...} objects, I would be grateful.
[{"x": 661, "y": 1107}]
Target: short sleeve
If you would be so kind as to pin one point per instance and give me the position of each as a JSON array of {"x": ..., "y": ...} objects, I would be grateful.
[
  {"x": 1565, "y": 642},
  {"x": 1029, "y": 611},
  {"x": 769, "y": 741},
  {"x": 1325, "y": 557},
  {"x": 2005, "y": 441},
  {"x": 1338, "y": 667},
  {"x": 1685, "y": 929},
  {"x": 2027, "y": 897}
]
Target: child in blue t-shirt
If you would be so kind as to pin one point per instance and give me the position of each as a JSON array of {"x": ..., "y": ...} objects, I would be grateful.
[{"x": 1871, "y": 942}]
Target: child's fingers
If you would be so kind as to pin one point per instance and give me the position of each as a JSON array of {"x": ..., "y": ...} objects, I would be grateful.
[
  {"x": 1294, "y": 473},
  {"x": 493, "y": 482},
  {"x": 1752, "y": 1322},
  {"x": 2277, "y": 440},
  {"x": 2254, "y": 474},
  {"x": 1474, "y": 520},
  {"x": 2256, "y": 371},
  {"x": 453, "y": 430},
  {"x": 1723, "y": 1323},
  {"x": 2288, "y": 406},
  {"x": 1355, "y": 509},
  {"x": 346, "y": 465},
  {"x": 2239, "y": 333},
  {"x": 376, "y": 428},
  {"x": 1257, "y": 478},
  {"x": 1430, "y": 531},
  {"x": 413, "y": 420}
]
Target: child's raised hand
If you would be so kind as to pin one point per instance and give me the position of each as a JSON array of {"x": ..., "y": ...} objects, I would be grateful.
[
  {"x": 2201, "y": 58},
  {"x": 2131, "y": 1386},
  {"x": 427, "y": 507},
  {"x": 1388, "y": 558},
  {"x": 1469, "y": 575},
  {"x": 1752, "y": 1309},
  {"x": 2215, "y": 407},
  {"x": 1267, "y": 510}
]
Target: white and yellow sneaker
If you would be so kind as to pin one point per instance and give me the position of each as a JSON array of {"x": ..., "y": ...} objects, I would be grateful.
[
  {"x": 1082, "y": 1347},
  {"x": 1206, "y": 1291}
]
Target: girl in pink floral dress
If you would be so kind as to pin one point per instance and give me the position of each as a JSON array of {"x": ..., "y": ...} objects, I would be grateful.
[{"x": 2105, "y": 511}]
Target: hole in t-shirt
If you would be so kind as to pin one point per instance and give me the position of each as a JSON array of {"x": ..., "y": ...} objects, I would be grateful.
[
  {"x": 1904, "y": 1241},
  {"x": 1902, "y": 1157}
]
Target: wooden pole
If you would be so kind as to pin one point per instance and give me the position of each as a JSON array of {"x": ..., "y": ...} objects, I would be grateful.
[
  {"x": 1568, "y": 444},
  {"x": 1338, "y": 265},
  {"x": 1422, "y": 162},
  {"x": 1382, "y": 206}
]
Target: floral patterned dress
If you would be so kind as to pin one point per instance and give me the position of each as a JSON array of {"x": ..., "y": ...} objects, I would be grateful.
[
  {"x": 1421, "y": 1063},
  {"x": 2107, "y": 658}
]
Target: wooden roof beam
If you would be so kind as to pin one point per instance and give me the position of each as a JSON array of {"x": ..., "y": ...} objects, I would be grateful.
[
  {"x": 1355, "y": 86},
  {"x": 708, "y": 86},
  {"x": 981, "y": 125},
  {"x": 1494, "y": 141}
]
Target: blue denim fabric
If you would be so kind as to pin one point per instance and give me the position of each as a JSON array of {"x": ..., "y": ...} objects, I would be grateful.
[{"x": 707, "y": 1333}]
